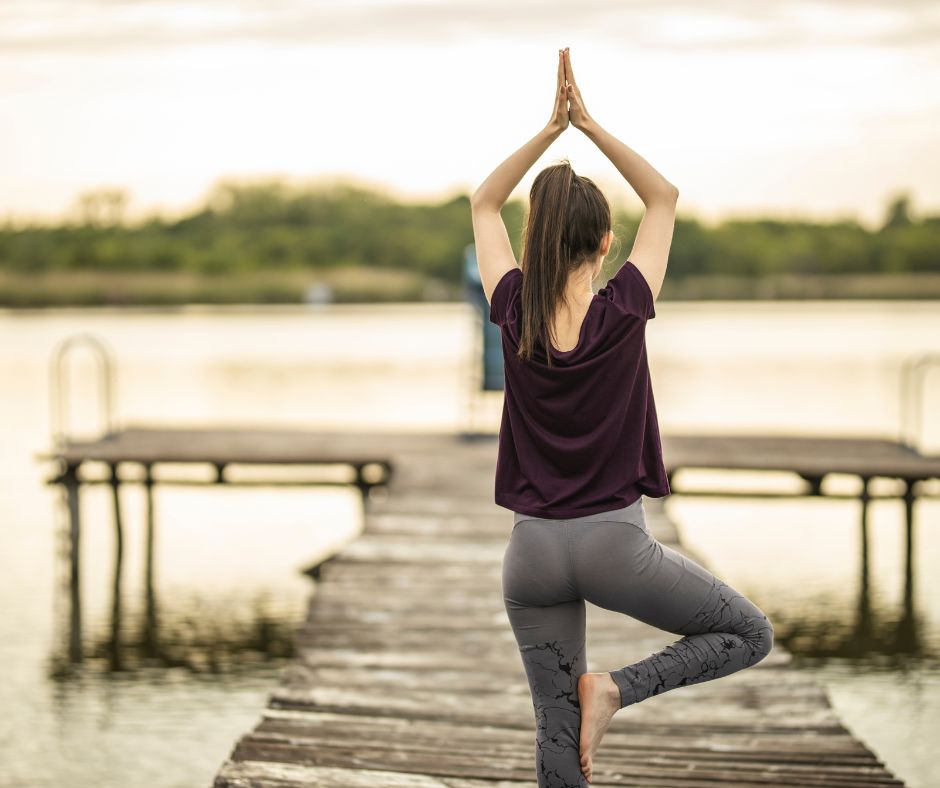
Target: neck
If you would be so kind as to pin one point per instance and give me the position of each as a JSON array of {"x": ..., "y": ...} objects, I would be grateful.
[{"x": 579, "y": 283}]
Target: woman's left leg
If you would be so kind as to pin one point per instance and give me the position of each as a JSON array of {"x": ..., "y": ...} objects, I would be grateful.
[{"x": 548, "y": 621}]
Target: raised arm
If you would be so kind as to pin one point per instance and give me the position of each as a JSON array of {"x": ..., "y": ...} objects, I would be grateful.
[
  {"x": 491, "y": 240},
  {"x": 650, "y": 251}
]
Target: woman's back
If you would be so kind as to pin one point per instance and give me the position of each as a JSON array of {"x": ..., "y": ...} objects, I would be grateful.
[{"x": 579, "y": 436}]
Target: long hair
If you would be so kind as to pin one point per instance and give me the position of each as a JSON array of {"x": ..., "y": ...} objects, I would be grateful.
[{"x": 568, "y": 218}]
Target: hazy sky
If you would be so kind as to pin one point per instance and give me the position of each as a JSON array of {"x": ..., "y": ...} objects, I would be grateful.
[{"x": 821, "y": 109}]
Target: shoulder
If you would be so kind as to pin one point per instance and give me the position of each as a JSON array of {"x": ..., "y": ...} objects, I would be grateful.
[
  {"x": 629, "y": 291},
  {"x": 507, "y": 288}
]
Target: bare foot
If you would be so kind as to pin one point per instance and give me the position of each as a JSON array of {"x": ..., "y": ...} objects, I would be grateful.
[{"x": 599, "y": 697}]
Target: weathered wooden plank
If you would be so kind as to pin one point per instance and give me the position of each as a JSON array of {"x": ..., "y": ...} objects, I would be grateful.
[
  {"x": 454, "y": 525},
  {"x": 833, "y": 742},
  {"x": 806, "y": 707},
  {"x": 504, "y": 760},
  {"x": 272, "y": 774},
  {"x": 278, "y": 774},
  {"x": 779, "y": 684},
  {"x": 390, "y": 549}
]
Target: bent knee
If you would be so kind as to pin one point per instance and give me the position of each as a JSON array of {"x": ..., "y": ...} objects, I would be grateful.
[{"x": 761, "y": 639}]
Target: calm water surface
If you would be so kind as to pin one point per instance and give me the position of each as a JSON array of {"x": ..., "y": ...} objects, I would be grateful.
[{"x": 229, "y": 581}]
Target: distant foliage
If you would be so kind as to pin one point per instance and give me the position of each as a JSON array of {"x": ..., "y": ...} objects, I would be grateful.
[{"x": 275, "y": 226}]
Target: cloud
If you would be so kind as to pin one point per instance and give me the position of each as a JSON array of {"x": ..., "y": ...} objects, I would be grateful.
[{"x": 93, "y": 27}]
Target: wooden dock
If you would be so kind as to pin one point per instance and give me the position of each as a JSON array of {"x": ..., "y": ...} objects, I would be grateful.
[
  {"x": 408, "y": 676},
  {"x": 365, "y": 461}
]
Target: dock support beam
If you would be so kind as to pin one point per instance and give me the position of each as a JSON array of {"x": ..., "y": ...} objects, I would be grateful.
[
  {"x": 118, "y": 571},
  {"x": 907, "y": 636},
  {"x": 909, "y": 499},
  {"x": 150, "y": 601},
  {"x": 70, "y": 480},
  {"x": 865, "y": 623}
]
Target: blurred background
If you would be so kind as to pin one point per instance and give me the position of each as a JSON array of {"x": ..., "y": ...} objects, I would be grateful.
[{"x": 262, "y": 209}]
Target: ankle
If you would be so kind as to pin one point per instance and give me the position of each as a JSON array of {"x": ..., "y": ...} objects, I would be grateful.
[{"x": 612, "y": 689}]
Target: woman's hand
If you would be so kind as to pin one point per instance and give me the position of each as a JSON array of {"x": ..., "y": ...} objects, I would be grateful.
[
  {"x": 576, "y": 111},
  {"x": 559, "y": 120}
]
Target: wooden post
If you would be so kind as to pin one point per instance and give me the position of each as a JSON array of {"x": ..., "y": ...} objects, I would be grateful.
[
  {"x": 150, "y": 601},
  {"x": 361, "y": 484},
  {"x": 865, "y": 497},
  {"x": 118, "y": 569},
  {"x": 70, "y": 480},
  {"x": 864, "y": 624},
  {"x": 909, "y": 499},
  {"x": 908, "y": 640}
]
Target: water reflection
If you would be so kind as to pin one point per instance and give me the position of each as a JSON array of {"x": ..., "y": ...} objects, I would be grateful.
[
  {"x": 198, "y": 634},
  {"x": 822, "y": 628}
]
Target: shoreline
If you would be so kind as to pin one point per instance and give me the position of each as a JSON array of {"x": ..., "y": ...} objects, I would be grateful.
[{"x": 365, "y": 286}]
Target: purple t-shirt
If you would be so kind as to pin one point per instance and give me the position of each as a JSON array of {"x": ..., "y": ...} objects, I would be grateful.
[{"x": 582, "y": 436}]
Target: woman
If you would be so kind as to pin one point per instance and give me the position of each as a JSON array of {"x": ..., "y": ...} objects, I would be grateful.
[{"x": 579, "y": 446}]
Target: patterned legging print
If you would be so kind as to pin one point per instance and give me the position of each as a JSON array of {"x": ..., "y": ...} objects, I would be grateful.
[
  {"x": 552, "y": 567},
  {"x": 727, "y": 634},
  {"x": 553, "y": 669}
]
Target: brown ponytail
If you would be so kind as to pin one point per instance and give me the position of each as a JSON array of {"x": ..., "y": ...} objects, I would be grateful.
[{"x": 568, "y": 218}]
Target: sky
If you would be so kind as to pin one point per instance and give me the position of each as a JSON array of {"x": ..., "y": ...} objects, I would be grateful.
[{"x": 814, "y": 110}]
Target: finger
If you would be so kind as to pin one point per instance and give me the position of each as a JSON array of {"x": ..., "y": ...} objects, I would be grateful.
[
  {"x": 569, "y": 72},
  {"x": 561, "y": 69}
]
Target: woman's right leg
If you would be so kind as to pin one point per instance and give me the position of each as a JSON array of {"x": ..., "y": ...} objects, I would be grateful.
[{"x": 620, "y": 566}]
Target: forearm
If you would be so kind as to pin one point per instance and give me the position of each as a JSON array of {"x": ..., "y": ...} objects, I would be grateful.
[
  {"x": 495, "y": 190},
  {"x": 648, "y": 183}
]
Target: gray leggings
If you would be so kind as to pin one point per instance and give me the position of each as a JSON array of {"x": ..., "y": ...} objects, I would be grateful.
[{"x": 550, "y": 567}]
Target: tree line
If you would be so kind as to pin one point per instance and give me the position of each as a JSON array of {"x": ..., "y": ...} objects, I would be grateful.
[{"x": 273, "y": 226}]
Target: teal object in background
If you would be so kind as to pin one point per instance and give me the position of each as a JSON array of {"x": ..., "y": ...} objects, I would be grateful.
[{"x": 492, "y": 379}]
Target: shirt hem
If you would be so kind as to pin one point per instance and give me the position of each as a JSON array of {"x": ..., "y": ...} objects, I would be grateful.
[{"x": 554, "y": 513}]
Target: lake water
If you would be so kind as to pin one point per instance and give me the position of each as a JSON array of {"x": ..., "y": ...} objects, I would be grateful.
[{"x": 227, "y": 561}]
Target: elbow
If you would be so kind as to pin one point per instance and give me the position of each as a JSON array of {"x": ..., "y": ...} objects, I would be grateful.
[
  {"x": 671, "y": 193},
  {"x": 667, "y": 196},
  {"x": 478, "y": 203},
  {"x": 475, "y": 200}
]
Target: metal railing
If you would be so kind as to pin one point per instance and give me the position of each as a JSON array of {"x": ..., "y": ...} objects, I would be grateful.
[
  {"x": 58, "y": 379},
  {"x": 913, "y": 373}
]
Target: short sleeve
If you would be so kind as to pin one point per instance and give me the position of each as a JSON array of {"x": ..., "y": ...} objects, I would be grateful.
[
  {"x": 630, "y": 291},
  {"x": 503, "y": 294}
]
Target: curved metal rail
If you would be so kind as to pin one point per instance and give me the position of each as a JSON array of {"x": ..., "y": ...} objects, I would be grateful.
[
  {"x": 58, "y": 379},
  {"x": 913, "y": 373}
]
